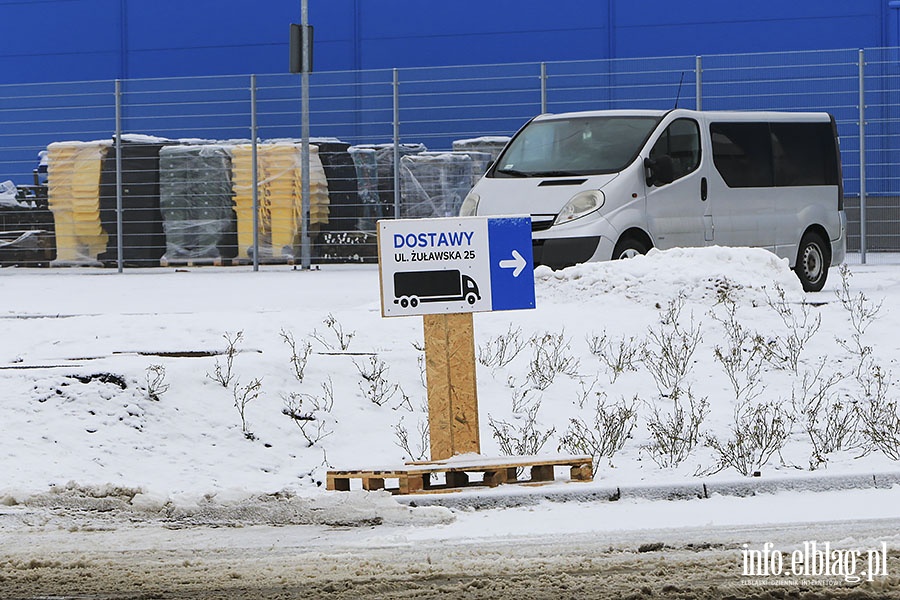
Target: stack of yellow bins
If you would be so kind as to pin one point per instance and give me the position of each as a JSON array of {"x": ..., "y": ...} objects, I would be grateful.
[
  {"x": 73, "y": 179},
  {"x": 279, "y": 180}
]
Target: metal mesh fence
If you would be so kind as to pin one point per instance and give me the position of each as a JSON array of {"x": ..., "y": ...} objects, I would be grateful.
[
  {"x": 639, "y": 83},
  {"x": 203, "y": 170}
]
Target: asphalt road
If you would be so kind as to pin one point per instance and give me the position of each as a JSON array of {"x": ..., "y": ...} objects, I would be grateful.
[{"x": 52, "y": 556}]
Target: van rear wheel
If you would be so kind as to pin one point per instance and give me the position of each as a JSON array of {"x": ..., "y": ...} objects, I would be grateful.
[
  {"x": 813, "y": 260},
  {"x": 629, "y": 248}
]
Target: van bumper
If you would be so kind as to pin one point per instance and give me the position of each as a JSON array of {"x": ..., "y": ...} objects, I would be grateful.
[
  {"x": 558, "y": 253},
  {"x": 838, "y": 250},
  {"x": 839, "y": 246}
]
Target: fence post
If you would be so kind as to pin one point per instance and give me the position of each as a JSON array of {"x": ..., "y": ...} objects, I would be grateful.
[
  {"x": 862, "y": 157},
  {"x": 254, "y": 171},
  {"x": 396, "y": 122},
  {"x": 305, "y": 251},
  {"x": 543, "y": 87},
  {"x": 304, "y": 147},
  {"x": 120, "y": 262},
  {"x": 698, "y": 77}
]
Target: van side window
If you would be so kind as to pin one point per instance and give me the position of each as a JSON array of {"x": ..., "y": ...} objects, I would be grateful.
[
  {"x": 742, "y": 154},
  {"x": 681, "y": 141},
  {"x": 804, "y": 153},
  {"x": 774, "y": 154}
]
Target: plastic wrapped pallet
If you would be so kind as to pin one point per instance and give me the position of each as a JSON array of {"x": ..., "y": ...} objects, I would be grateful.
[
  {"x": 279, "y": 181},
  {"x": 366, "y": 165},
  {"x": 26, "y": 228},
  {"x": 195, "y": 197},
  {"x": 490, "y": 144},
  {"x": 434, "y": 184},
  {"x": 343, "y": 191},
  {"x": 480, "y": 163},
  {"x": 384, "y": 161},
  {"x": 143, "y": 239},
  {"x": 74, "y": 199}
]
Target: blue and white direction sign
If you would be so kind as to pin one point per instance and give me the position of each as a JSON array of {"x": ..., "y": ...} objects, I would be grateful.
[{"x": 455, "y": 265}]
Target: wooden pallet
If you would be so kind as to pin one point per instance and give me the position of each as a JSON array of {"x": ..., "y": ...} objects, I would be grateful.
[
  {"x": 461, "y": 472},
  {"x": 269, "y": 260},
  {"x": 193, "y": 262}
]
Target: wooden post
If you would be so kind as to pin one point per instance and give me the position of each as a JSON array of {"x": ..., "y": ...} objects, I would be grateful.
[{"x": 452, "y": 396}]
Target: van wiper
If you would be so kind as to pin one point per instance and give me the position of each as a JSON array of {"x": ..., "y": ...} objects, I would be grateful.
[{"x": 515, "y": 173}]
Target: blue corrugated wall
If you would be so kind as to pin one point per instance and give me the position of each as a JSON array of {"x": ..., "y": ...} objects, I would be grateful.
[{"x": 71, "y": 40}]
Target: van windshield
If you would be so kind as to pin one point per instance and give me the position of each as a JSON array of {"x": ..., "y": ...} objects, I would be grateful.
[{"x": 575, "y": 146}]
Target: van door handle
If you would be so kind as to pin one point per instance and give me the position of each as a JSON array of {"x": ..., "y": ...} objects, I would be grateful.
[{"x": 703, "y": 189}]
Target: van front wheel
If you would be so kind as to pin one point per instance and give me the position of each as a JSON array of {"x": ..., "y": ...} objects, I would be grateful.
[
  {"x": 629, "y": 248},
  {"x": 812, "y": 262}
]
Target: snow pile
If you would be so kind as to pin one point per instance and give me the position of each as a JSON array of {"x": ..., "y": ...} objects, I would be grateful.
[
  {"x": 355, "y": 509},
  {"x": 702, "y": 274},
  {"x": 8, "y": 193}
]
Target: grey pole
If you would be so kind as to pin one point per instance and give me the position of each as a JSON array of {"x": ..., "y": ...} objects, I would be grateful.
[
  {"x": 862, "y": 157},
  {"x": 254, "y": 171},
  {"x": 304, "y": 146},
  {"x": 543, "y": 87},
  {"x": 396, "y": 120},
  {"x": 120, "y": 262},
  {"x": 698, "y": 77}
]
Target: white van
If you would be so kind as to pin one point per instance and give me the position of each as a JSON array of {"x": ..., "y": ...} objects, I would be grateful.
[{"x": 604, "y": 185}]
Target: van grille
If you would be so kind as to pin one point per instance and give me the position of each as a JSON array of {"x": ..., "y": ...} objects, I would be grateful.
[{"x": 541, "y": 222}]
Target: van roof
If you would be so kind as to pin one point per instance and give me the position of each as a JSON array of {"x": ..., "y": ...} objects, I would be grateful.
[{"x": 707, "y": 115}]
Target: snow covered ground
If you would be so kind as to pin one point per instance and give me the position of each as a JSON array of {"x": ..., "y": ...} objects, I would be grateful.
[{"x": 114, "y": 400}]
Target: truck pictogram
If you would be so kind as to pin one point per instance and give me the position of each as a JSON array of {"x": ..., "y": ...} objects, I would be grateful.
[{"x": 413, "y": 287}]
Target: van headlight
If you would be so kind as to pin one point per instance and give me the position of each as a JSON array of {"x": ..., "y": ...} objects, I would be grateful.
[
  {"x": 469, "y": 205},
  {"x": 581, "y": 204}
]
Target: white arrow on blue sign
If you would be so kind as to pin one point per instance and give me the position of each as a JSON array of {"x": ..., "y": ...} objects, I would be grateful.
[
  {"x": 512, "y": 264},
  {"x": 453, "y": 265}
]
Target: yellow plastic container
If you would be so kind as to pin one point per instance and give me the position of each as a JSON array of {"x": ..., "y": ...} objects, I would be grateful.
[
  {"x": 279, "y": 184},
  {"x": 73, "y": 188}
]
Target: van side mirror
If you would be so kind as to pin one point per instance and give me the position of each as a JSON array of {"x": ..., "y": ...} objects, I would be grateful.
[{"x": 660, "y": 170}]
